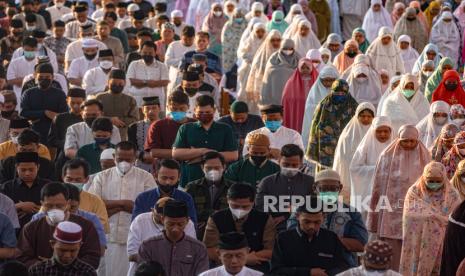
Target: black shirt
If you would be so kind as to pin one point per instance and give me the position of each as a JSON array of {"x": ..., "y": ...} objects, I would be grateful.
[
  {"x": 294, "y": 254},
  {"x": 8, "y": 169},
  {"x": 57, "y": 134}
]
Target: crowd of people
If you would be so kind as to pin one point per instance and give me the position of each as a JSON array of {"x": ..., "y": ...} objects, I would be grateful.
[{"x": 202, "y": 137}]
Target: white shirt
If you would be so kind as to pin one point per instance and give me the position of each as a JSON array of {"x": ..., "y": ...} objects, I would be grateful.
[
  {"x": 57, "y": 77},
  {"x": 143, "y": 228},
  {"x": 99, "y": 13},
  {"x": 278, "y": 139},
  {"x": 80, "y": 134},
  {"x": 19, "y": 68},
  {"x": 49, "y": 52},
  {"x": 155, "y": 71},
  {"x": 221, "y": 271},
  {"x": 111, "y": 184},
  {"x": 95, "y": 81},
  {"x": 124, "y": 24},
  {"x": 80, "y": 66},
  {"x": 57, "y": 13},
  {"x": 74, "y": 50},
  {"x": 173, "y": 56}
]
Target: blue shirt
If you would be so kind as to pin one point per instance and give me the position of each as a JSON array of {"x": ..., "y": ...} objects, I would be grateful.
[
  {"x": 146, "y": 201},
  {"x": 7, "y": 233},
  {"x": 90, "y": 217}
]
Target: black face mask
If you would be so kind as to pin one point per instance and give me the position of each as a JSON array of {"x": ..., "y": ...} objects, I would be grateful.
[
  {"x": 17, "y": 34},
  {"x": 89, "y": 121},
  {"x": 451, "y": 86},
  {"x": 117, "y": 89},
  {"x": 90, "y": 57},
  {"x": 351, "y": 54},
  {"x": 148, "y": 59},
  {"x": 258, "y": 160},
  {"x": 190, "y": 91},
  {"x": 44, "y": 83},
  {"x": 7, "y": 114},
  {"x": 167, "y": 189}
]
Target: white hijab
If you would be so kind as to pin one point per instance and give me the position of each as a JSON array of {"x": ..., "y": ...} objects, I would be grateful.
[
  {"x": 429, "y": 130},
  {"x": 290, "y": 15},
  {"x": 293, "y": 28},
  {"x": 373, "y": 21},
  {"x": 385, "y": 56},
  {"x": 314, "y": 54},
  {"x": 363, "y": 164},
  {"x": 303, "y": 44},
  {"x": 409, "y": 55},
  {"x": 447, "y": 37},
  {"x": 256, "y": 6},
  {"x": 388, "y": 92},
  {"x": 368, "y": 90},
  {"x": 348, "y": 141},
  {"x": 317, "y": 93}
]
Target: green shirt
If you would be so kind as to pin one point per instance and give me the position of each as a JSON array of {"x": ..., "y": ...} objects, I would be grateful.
[
  {"x": 91, "y": 153},
  {"x": 218, "y": 137},
  {"x": 244, "y": 171}
]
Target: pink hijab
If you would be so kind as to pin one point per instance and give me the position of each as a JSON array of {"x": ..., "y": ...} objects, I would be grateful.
[
  {"x": 396, "y": 171},
  {"x": 214, "y": 25},
  {"x": 295, "y": 95},
  {"x": 343, "y": 61}
]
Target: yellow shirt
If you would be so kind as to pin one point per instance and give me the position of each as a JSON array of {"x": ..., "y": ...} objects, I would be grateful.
[
  {"x": 94, "y": 204},
  {"x": 8, "y": 149}
]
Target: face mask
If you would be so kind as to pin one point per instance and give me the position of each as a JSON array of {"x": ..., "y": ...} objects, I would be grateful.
[
  {"x": 408, "y": 93},
  {"x": 239, "y": 20},
  {"x": 30, "y": 28},
  {"x": 205, "y": 118},
  {"x": 80, "y": 186},
  {"x": 90, "y": 57},
  {"x": 351, "y": 54},
  {"x": 7, "y": 114},
  {"x": 148, "y": 59},
  {"x": 213, "y": 175},
  {"x": 329, "y": 197},
  {"x": 218, "y": 13},
  {"x": 451, "y": 86},
  {"x": 102, "y": 141},
  {"x": 59, "y": 4},
  {"x": 337, "y": 99},
  {"x": 458, "y": 121},
  {"x": 44, "y": 83},
  {"x": 14, "y": 139},
  {"x": 117, "y": 89},
  {"x": 273, "y": 125},
  {"x": 258, "y": 160},
  {"x": 178, "y": 115},
  {"x": 440, "y": 120},
  {"x": 167, "y": 189},
  {"x": 56, "y": 216},
  {"x": 89, "y": 121},
  {"x": 289, "y": 172},
  {"x": 29, "y": 54},
  {"x": 239, "y": 213},
  {"x": 427, "y": 73},
  {"x": 434, "y": 186},
  {"x": 190, "y": 91},
  {"x": 288, "y": 52},
  {"x": 361, "y": 79},
  {"x": 123, "y": 166},
  {"x": 106, "y": 64}
]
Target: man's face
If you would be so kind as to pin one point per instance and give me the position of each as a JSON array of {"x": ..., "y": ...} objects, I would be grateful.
[
  {"x": 55, "y": 202},
  {"x": 76, "y": 175},
  {"x": 65, "y": 253},
  {"x": 294, "y": 162},
  {"x": 73, "y": 206},
  {"x": 151, "y": 112},
  {"x": 44, "y": 76},
  {"x": 103, "y": 31},
  {"x": 91, "y": 111},
  {"x": 178, "y": 107},
  {"x": 272, "y": 117},
  {"x": 167, "y": 176},
  {"x": 255, "y": 150},
  {"x": 101, "y": 134},
  {"x": 239, "y": 118},
  {"x": 213, "y": 164},
  {"x": 233, "y": 260},
  {"x": 27, "y": 8},
  {"x": 74, "y": 104},
  {"x": 142, "y": 39},
  {"x": 241, "y": 203},
  {"x": 310, "y": 223},
  {"x": 58, "y": 31},
  {"x": 204, "y": 110},
  {"x": 147, "y": 51},
  {"x": 190, "y": 84},
  {"x": 27, "y": 171},
  {"x": 186, "y": 40},
  {"x": 174, "y": 227},
  {"x": 81, "y": 16},
  {"x": 110, "y": 22},
  {"x": 201, "y": 42},
  {"x": 90, "y": 51},
  {"x": 125, "y": 155},
  {"x": 15, "y": 132}
]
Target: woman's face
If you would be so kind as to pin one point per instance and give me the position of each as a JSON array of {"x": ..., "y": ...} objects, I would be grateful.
[
  {"x": 359, "y": 38},
  {"x": 327, "y": 82},
  {"x": 365, "y": 117},
  {"x": 304, "y": 30},
  {"x": 376, "y": 7},
  {"x": 386, "y": 40},
  {"x": 276, "y": 43},
  {"x": 260, "y": 33},
  {"x": 325, "y": 58},
  {"x": 431, "y": 55},
  {"x": 404, "y": 45},
  {"x": 410, "y": 86},
  {"x": 383, "y": 134},
  {"x": 334, "y": 47},
  {"x": 408, "y": 144},
  {"x": 384, "y": 79},
  {"x": 305, "y": 69}
]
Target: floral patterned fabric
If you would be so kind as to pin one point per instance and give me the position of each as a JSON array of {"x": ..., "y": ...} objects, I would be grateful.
[{"x": 453, "y": 156}]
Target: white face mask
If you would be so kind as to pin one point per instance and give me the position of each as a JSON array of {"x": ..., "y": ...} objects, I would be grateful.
[
  {"x": 14, "y": 139},
  {"x": 288, "y": 52},
  {"x": 123, "y": 166},
  {"x": 106, "y": 64},
  {"x": 375, "y": 272},
  {"x": 440, "y": 120},
  {"x": 289, "y": 172},
  {"x": 218, "y": 13},
  {"x": 239, "y": 213},
  {"x": 56, "y": 216},
  {"x": 458, "y": 121},
  {"x": 213, "y": 175},
  {"x": 428, "y": 73}
]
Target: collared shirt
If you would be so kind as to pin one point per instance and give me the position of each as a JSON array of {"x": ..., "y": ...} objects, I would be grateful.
[
  {"x": 74, "y": 50},
  {"x": 80, "y": 134},
  {"x": 278, "y": 139},
  {"x": 141, "y": 71},
  {"x": 53, "y": 268},
  {"x": 162, "y": 133},
  {"x": 187, "y": 256},
  {"x": 143, "y": 228},
  {"x": 112, "y": 185},
  {"x": 80, "y": 66},
  {"x": 221, "y": 271},
  {"x": 19, "y": 68},
  {"x": 218, "y": 137},
  {"x": 173, "y": 57},
  {"x": 8, "y": 208},
  {"x": 91, "y": 153},
  {"x": 244, "y": 171},
  {"x": 8, "y": 149},
  {"x": 57, "y": 13},
  {"x": 146, "y": 201}
]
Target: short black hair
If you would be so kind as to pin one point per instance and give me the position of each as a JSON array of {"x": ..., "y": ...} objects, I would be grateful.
[
  {"x": 163, "y": 17},
  {"x": 188, "y": 31},
  {"x": 92, "y": 102},
  {"x": 53, "y": 189},
  {"x": 30, "y": 17},
  {"x": 205, "y": 100},
  {"x": 125, "y": 145},
  {"x": 102, "y": 124},
  {"x": 170, "y": 164},
  {"x": 143, "y": 33},
  {"x": 213, "y": 155},
  {"x": 241, "y": 190},
  {"x": 73, "y": 192},
  {"x": 204, "y": 34},
  {"x": 313, "y": 206},
  {"x": 59, "y": 23},
  {"x": 160, "y": 7},
  {"x": 111, "y": 15},
  {"x": 30, "y": 41},
  {"x": 151, "y": 268},
  {"x": 13, "y": 268},
  {"x": 178, "y": 97},
  {"x": 290, "y": 150},
  {"x": 149, "y": 44},
  {"x": 27, "y": 137},
  {"x": 75, "y": 163}
]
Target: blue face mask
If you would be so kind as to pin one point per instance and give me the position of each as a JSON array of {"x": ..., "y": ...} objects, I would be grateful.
[
  {"x": 339, "y": 98},
  {"x": 273, "y": 125},
  {"x": 29, "y": 54},
  {"x": 239, "y": 20},
  {"x": 329, "y": 197},
  {"x": 178, "y": 115},
  {"x": 434, "y": 186},
  {"x": 102, "y": 141}
]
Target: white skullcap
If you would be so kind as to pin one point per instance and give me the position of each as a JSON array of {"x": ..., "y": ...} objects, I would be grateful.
[
  {"x": 89, "y": 43},
  {"x": 133, "y": 7},
  {"x": 176, "y": 13},
  {"x": 107, "y": 154}
]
